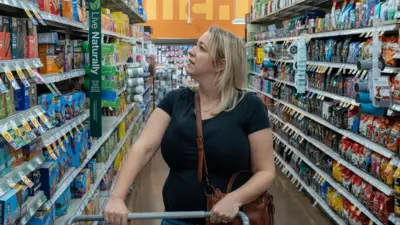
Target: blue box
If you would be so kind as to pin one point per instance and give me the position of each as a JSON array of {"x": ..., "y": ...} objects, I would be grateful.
[
  {"x": 48, "y": 178},
  {"x": 10, "y": 207},
  {"x": 22, "y": 98}
]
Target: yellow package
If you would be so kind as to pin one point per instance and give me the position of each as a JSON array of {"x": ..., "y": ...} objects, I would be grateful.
[
  {"x": 396, "y": 178},
  {"x": 388, "y": 173}
]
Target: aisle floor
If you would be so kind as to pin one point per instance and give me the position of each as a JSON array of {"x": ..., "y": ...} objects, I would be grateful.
[{"x": 292, "y": 207}]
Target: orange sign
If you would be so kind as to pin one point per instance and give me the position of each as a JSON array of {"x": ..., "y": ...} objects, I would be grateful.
[{"x": 170, "y": 18}]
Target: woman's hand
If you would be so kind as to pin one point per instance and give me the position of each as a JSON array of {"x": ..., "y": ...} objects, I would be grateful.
[
  {"x": 225, "y": 210},
  {"x": 116, "y": 212}
]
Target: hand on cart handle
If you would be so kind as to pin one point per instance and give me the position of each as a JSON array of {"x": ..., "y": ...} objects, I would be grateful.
[
  {"x": 116, "y": 212},
  {"x": 155, "y": 215}
]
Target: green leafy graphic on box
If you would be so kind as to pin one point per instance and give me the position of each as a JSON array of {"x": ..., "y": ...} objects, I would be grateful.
[{"x": 95, "y": 5}]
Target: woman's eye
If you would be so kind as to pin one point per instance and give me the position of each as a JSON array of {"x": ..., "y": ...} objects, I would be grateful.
[{"x": 202, "y": 49}]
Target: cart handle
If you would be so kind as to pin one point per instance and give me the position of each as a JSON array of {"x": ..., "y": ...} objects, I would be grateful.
[{"x": 155, "y": 215}]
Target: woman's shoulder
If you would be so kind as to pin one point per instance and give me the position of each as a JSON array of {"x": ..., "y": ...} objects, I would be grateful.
[
  {"x": 180, "y": 94},
  {"x": 250, "y": 98}
]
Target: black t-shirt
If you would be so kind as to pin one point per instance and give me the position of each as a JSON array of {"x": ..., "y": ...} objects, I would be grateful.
[{"x": 226, "y": 144}]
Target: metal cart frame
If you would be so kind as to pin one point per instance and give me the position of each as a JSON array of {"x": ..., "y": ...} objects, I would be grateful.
[{"x": 154, "y": 215}]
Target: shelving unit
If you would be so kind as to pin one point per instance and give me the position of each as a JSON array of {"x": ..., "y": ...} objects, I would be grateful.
[
  {"x": 301, "y": 67},
  {"x": 58, "y": 116}
]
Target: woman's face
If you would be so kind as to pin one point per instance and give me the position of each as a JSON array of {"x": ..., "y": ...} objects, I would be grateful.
[{"x": 200, "y": 61}]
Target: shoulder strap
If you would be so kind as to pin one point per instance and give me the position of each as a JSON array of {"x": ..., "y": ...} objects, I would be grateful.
[{"x": 202, "y": 166}]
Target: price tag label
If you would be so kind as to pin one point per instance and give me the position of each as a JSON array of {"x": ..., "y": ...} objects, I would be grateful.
[
  {"x": 31, "y": 211},
  {"x": 36, "y": 124},
  {"x": 66, "y": 138},
  {"x": 61, "y": 145},
  {"x": 44, "y": 119},
  {"x": 22, "y": 77},
  {"x": 3, "y": 88},
  {"x": 70, "y": 133},
  {"x": 28, "y": 129},
  {"x": 11, "y": 78},
  {"x": 37, "y": 15},
  {"x": 55, "y": 148},
  {"x": 29, "y": 14},
  {"x": 35, "y": 76},
  {"x": 9, "y": 139},
  {"x": 51, "y": 153},
  {"x": 77, "y": 129},
  {"x": 25, "y": 179}
]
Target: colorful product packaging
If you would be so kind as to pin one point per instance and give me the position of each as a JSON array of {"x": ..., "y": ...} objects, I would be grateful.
[
  {"x": 10, "y": 207},
  {"x": 52, "y": 57},
  {"x": 5, "y": 38},
  {"x": 49, "y": 174},
  {"x": 31, "y": 41},
  {"x": 18, "y": 38}
]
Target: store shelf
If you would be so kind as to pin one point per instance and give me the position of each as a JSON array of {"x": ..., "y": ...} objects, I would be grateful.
[
  {"x": 81, "y": 203},
  {"x": 21, "y": 115},
  {"x": 21, "y": 63},
  {"x": 56, "y": 133},
  {"x": 395, "y": 220},
  {"x": 57, "y": 77},
  {"x": 349, "y": 66},
  {"x": 319, "y": 92},
  {"x": 284, "y": 61},
  {"x": 19, "y": 173},
  {"x": 364, "y": 175},
  {"x": 334, "y": 184},
  {"x": 62, "y": 21},
  {"x": 388, "y": 26},
  {"x": 357, "y": 138},
  {"x": 311, "y": 192},
  {"x": 17, "y": 4},
  {"x": 123, "y": 37},
  {"x": 108, "y": 128},
  {"x": 121, "y": 5},
  {"x": 33, "y": 203}
]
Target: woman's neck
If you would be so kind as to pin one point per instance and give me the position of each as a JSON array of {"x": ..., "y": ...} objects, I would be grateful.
[{"x": 208, "y": 93}]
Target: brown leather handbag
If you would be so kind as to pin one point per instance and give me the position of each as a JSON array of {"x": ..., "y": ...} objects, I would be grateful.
[{"x": 260, "y": 212}]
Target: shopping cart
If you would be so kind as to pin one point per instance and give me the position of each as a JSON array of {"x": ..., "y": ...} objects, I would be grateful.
[{"x": 154, "y": 215}]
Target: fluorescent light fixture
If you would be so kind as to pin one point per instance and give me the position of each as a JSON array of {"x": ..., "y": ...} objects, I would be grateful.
[{"x": 238, "y": 21}]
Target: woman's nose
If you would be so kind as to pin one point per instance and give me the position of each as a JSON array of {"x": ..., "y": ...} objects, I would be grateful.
[{"x": 191, "y": 52}]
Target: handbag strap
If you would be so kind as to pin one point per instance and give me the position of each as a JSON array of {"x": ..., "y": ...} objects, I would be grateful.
[{"x": 202, "y": 165}]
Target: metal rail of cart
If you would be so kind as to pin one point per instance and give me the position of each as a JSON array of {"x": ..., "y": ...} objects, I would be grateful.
[{"x": 154, "y": 215}]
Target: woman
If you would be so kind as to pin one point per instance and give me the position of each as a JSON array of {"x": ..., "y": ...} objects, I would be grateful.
[{"x": 236, "y": 130}]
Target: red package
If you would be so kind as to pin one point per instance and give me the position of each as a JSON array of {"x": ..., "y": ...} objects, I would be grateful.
[
  {"x": 345, "y": 149},
  {"x": 356, "y": 186},
  {"x": 369, "y": 196}
]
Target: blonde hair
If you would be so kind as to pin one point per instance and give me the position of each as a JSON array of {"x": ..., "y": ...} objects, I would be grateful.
[{"x": 231, "y": 81}]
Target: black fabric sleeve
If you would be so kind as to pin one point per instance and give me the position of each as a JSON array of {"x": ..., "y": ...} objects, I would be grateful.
[
  {"x": 167, "y": 103},
  {"x": 257, "y": 114}
]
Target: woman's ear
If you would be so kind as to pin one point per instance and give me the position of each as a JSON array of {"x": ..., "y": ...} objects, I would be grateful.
[{"x": 220, "y": 66}]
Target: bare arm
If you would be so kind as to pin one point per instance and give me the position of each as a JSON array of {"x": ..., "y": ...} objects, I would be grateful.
[
  {"x": 263, "y": 166},
  {"x": 141, "y": 152}
]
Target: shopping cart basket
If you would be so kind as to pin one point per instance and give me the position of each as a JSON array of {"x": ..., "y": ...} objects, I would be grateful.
[{"x": 155, "y": 215}]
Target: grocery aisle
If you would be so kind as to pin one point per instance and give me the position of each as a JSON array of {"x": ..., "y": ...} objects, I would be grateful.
[{"x": 292, "y": 206}]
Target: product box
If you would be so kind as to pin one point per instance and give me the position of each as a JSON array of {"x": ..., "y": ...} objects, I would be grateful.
[
  {"x": 33, "y": 97},
  {"x": 32, "y": 41},
  {"x": 49, "y": 38},
  {"x": 31, "y": 150},
  {"x": 22, "y": 98},
  {"x": 5, "y": 157},
  {"x": 50, "y": 6},
  {"x": 68, "y": 53},
  {"x": 52, "y": 57},
  {"x": 5, "y": 38},
  {"x": 10, "y": 207},
  {"x": 62, "y": 203},
  {"x": 48, "y": 178},
  {"x": 47, "y": 101},
  {"x": 78, "y": 55},
  {"x": 59, "y": 105},
  {"x": 35, "y": 177},
  {"x": 67, "y": 9},
  {"x": 42, "y": 217},
  {"x": 82, "y": 183},
  {"x": 9, "y": 99},
  {"x": 92, "y": 167},
  {"x": 18, "y": 38},
  {"x": 17, "y": 158}
]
